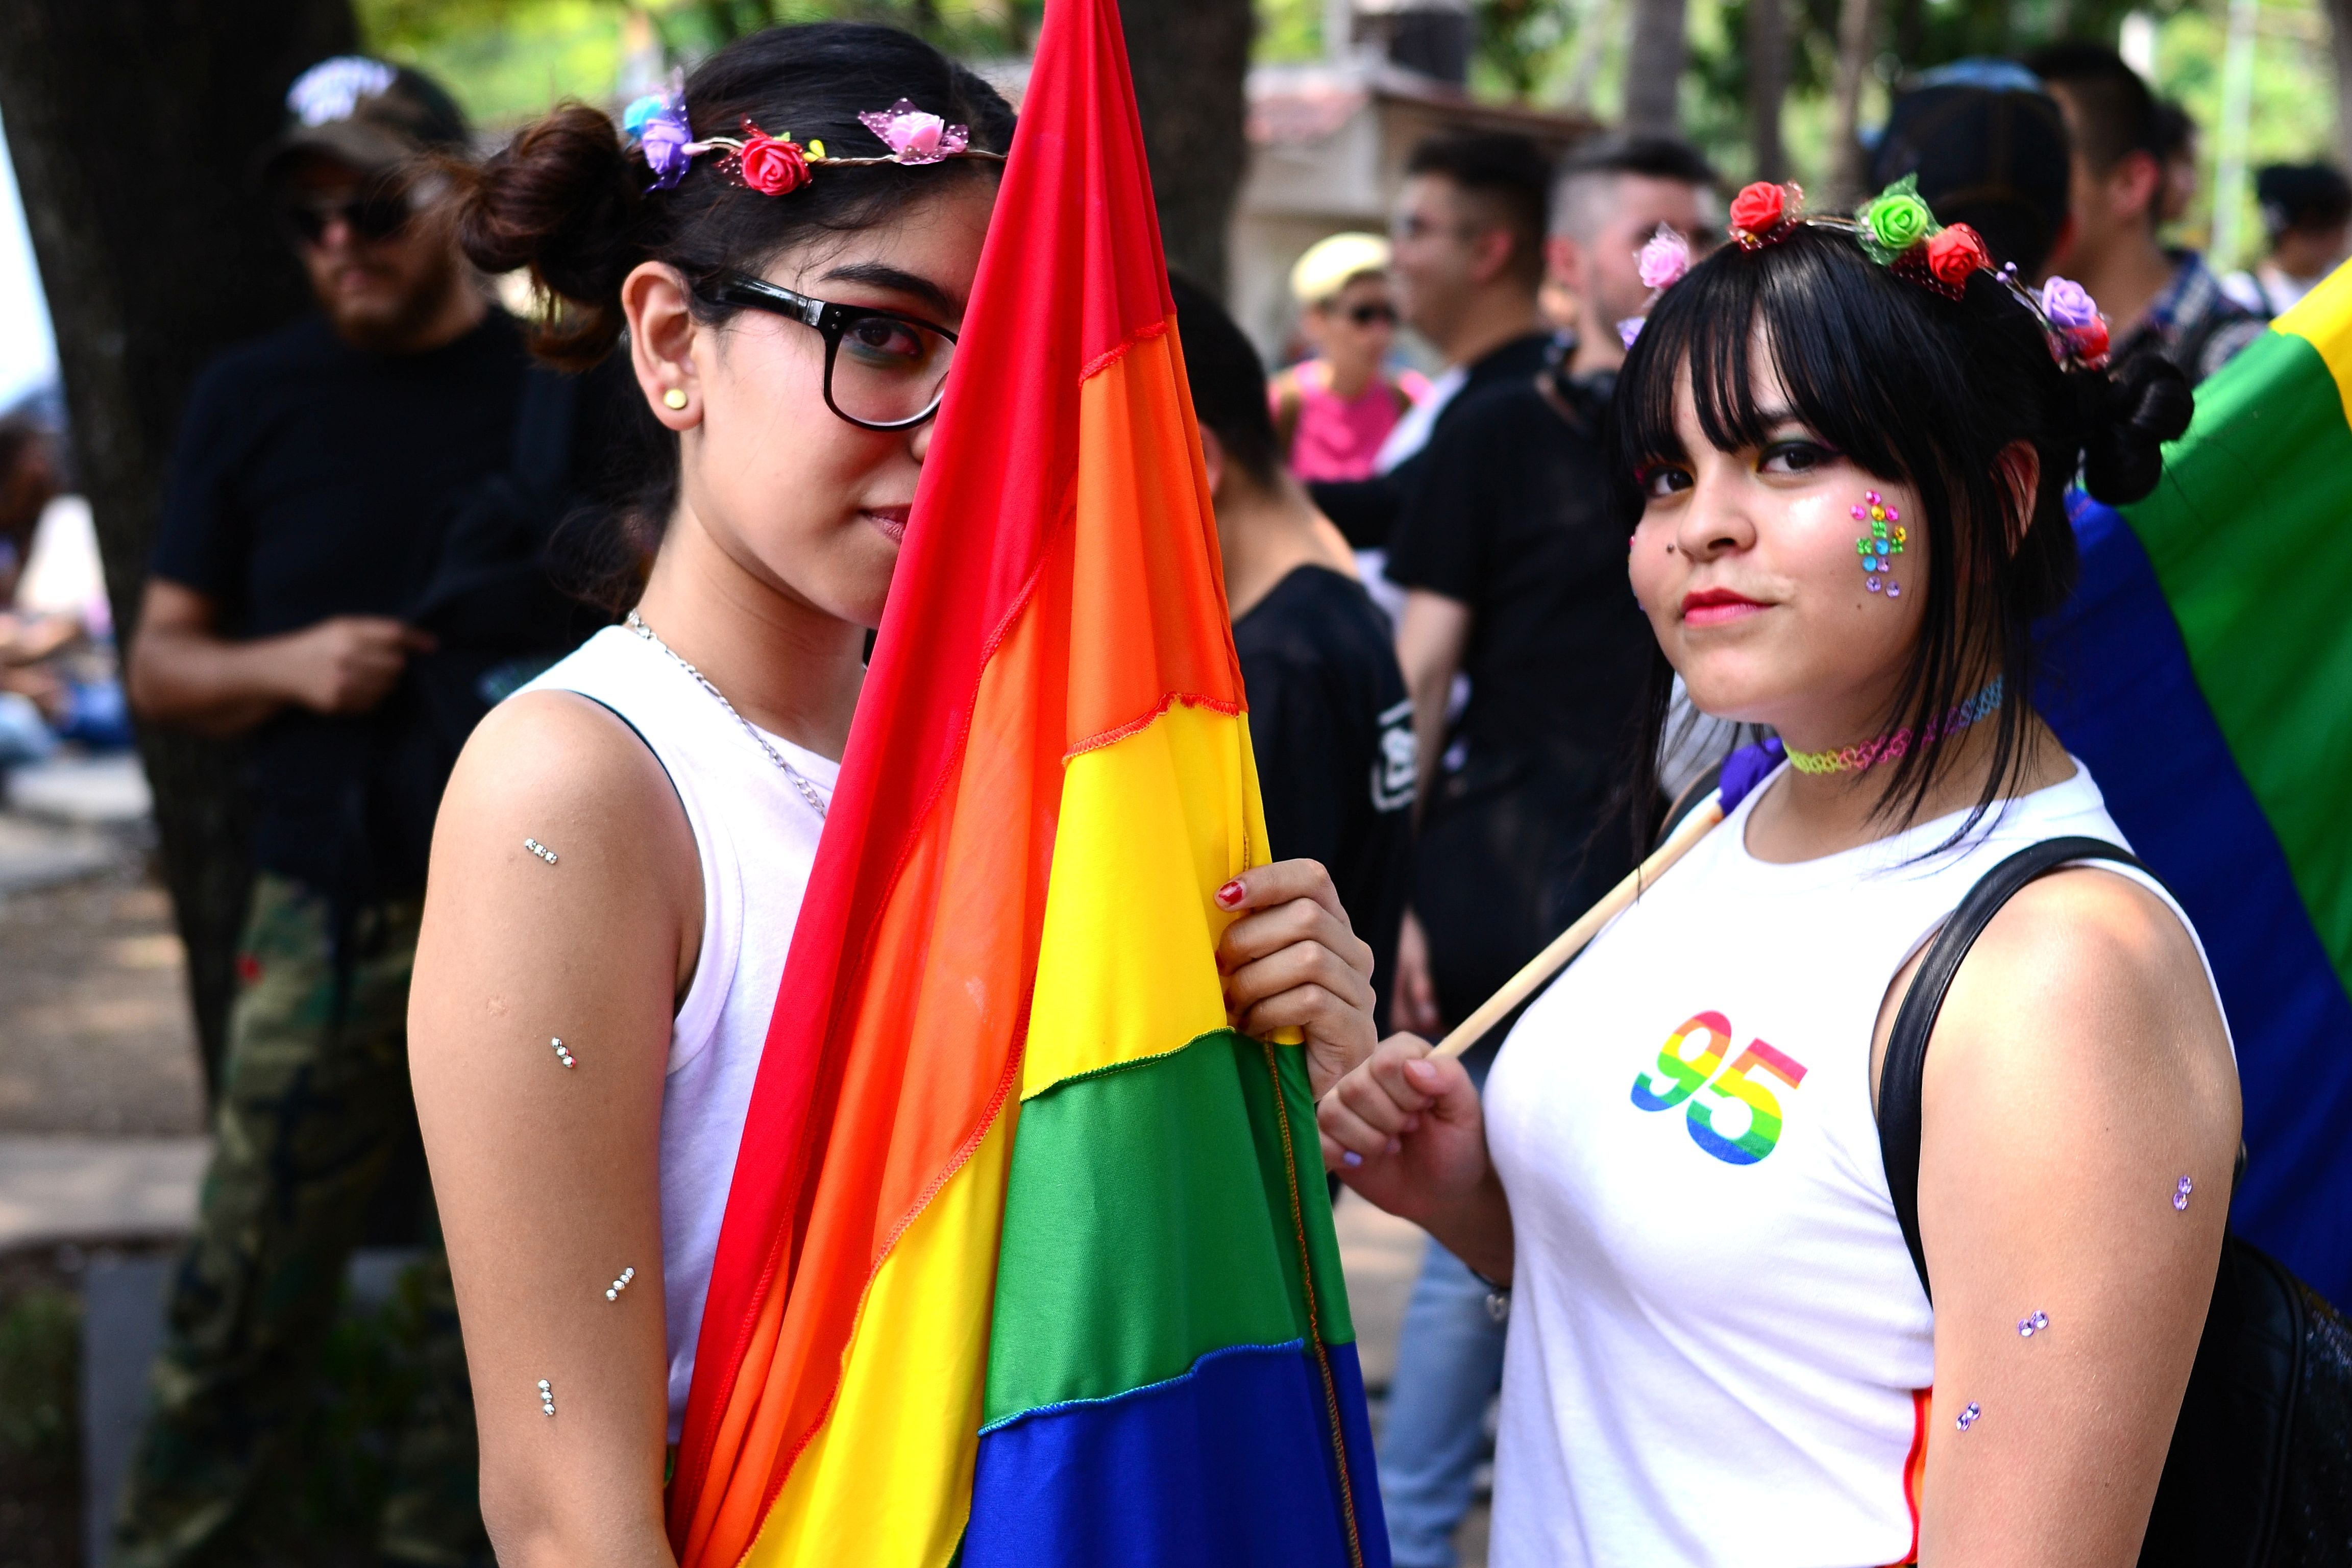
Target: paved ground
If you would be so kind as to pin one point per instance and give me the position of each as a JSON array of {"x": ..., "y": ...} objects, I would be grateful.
[{"x": 94, "y": 1030}]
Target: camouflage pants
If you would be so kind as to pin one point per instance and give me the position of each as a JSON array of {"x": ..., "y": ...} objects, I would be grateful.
[{"x": 314, "y": 1100}]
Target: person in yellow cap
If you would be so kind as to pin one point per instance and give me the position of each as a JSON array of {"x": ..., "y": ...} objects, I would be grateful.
[{"x": 1332, "y": 412}]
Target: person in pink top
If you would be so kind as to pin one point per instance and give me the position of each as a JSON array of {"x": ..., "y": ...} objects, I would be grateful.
[{"x": 1332, "y": 412}]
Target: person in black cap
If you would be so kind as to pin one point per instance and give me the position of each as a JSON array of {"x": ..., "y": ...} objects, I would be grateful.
[
  {"x": 342, "y": 493},
  {"x": 1989, "y": 149},
  {"x": 2307, "y": 211}
]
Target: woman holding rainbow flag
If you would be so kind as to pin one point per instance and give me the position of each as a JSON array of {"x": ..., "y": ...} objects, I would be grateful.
[
  {"x": 1846, "y": 444},
  {"x": 789, "y": 239}
]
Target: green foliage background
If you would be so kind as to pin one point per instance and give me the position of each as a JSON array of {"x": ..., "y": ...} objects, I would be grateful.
[{"x": 507, "y": 60}]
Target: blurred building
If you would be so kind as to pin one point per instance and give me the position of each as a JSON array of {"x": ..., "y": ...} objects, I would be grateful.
[{"x": 1328, "y": 142}]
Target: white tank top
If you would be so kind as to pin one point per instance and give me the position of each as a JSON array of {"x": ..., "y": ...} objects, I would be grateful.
[
  {"x": 1718, "y": 1350},
  {"x": 756, "y": 836}
]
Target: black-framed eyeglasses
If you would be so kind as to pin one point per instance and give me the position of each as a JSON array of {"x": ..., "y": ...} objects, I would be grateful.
[
  {"x": 376, "y": 212},
  {"x": 882, "y": 370}
]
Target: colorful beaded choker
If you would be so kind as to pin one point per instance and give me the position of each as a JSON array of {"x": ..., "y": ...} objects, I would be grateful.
[{"x": 1886, "y": 747}]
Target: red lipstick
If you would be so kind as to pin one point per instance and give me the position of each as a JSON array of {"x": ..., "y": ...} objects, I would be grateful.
[{"x": 1717, "y": 608}]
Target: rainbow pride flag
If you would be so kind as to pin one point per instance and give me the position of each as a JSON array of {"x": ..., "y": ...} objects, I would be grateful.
[
  {"x": 1028, "y": 1256},
  {"x": 2204, "y": 672}
]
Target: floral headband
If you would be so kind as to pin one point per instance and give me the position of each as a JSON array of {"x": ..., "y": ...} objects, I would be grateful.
[
  {"x": 778, "y": 165},
  {"x": 1897, "y": 229}
]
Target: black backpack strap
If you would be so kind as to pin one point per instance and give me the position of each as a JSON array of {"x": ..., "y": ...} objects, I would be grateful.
[{"x": 1902, "y": 1074}]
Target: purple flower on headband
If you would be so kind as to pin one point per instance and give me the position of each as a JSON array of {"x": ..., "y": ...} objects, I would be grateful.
[
  {"x": 1628, "y": 330},
  {"x": 914, "y": 136},
  {"x": 2068, "y": 304},
  {"x": 658, "y": 121},
  {"x": 1665, "y": 258},
  {"x": 666, "y": 139}
]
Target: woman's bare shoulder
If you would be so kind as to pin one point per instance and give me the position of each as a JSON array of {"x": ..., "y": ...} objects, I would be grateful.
[
  {"x": 570, "y": 776},
  {"x": 2088, "y": 978}
]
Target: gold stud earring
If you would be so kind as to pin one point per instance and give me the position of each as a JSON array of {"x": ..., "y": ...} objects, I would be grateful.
[{"x": 674, "y": 398}]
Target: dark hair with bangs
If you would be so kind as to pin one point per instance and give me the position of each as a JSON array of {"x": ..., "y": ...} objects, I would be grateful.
[
  {"x": 1918, "y": 388},
  {"x": 568, "y": 201}
]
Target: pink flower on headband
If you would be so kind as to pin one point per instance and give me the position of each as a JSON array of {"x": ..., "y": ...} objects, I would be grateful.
[
  {"x": 1665, "y": 258},
  {"x": 914, "y": 136}
]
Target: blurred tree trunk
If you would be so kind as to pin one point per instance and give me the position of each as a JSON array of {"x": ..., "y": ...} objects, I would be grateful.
[
  {"x": 1857, "y": 40},
  {"x": 1653, "y": 68},
  {"x": 1592, "y": 23},
  {"x": 1910, "y": 29},
  {"x": 2339, "y": 30},
  {"x": 1768, "y": 86},
  {"x": 1190, "y": 60},
  {"x": 132, "y": 124}
]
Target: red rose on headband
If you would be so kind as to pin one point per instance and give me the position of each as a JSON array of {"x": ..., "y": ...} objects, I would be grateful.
[
  {"x": 1955, "y": 253},
  {"x": 2090, "y": 341},
  {"x": 770, "y": 167},
  {"x": 1758, "y": 209}
]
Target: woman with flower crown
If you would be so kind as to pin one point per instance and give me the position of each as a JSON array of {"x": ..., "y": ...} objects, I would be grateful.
[
  {"x": 1845, "y": 448},
  {"x": 787, "y": 238}
]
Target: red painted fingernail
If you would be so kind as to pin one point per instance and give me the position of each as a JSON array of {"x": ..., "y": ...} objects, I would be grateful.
[{"x": 1232, "y": 893}]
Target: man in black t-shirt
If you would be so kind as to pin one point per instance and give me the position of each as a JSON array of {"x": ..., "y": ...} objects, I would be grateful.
[
  {"x": 308, "y": 520},
  {"x": 1514, "y": 568},
  {"x": 1466, "y": 257},
  {"x": 1515, "y": 576},
  {"x": 1329, "y": 722}
]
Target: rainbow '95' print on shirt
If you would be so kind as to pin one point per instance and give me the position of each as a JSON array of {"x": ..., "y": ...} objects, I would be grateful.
[{"x": 1679, "y": 1077}]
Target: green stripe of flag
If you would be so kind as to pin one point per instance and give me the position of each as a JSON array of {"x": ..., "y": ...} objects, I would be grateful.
[
  {"x": 2246, "y": 533},
  {"x": 1146, "y": 1224}
]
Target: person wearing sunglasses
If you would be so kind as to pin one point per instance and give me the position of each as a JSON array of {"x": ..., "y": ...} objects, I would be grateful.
[
  {"x": 320, "y": 472},
  {"x": 1332, "y": 411}
]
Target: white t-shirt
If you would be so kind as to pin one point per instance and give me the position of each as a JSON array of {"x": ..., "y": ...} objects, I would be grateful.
[
  {"x": 756, "y": 836},
  {"x": 1719, "y": 1352}
]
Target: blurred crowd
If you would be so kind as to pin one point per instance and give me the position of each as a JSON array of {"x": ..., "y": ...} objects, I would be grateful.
[{"x": 374, "y": 530}]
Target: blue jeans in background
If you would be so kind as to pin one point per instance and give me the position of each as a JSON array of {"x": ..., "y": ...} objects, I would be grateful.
[{"x": 1449, "y": 1365}]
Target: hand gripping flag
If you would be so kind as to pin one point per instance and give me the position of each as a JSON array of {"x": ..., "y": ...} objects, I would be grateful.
[
  {"x": 2204, "y": 672},
  {"x": 1027, "y": 1254}
]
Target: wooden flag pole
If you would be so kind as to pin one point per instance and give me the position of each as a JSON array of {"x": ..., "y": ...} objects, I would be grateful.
[{"x": 1569, "y": 942}]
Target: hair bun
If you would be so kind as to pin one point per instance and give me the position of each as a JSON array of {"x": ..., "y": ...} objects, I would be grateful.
[
  {"x": 2131, "y": 413},
  {"x": 562, "y": 199}
]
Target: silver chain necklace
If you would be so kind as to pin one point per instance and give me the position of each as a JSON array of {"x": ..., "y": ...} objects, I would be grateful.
[{"x": 637, "y": 624}]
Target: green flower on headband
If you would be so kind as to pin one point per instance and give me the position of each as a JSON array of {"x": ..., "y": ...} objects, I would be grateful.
[{"x": 1894, "y": 220}]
